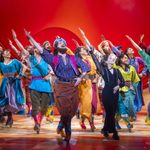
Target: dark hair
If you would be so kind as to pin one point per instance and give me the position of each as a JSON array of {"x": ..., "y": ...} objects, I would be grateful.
[
  {"x": 119, "y": 62},
  {"x": 1, "y": 57},
  {"x": 78, "y": 50},
  {"x": 55, "y": 51},
  {"x": 126, "y": 51}
]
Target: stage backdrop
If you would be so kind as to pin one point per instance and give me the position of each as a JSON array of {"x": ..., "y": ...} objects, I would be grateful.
[{"x": 48, "y": 18}]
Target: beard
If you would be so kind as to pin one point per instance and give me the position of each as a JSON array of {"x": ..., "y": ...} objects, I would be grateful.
[
  {"x": 48, "y": 48},
  {"x": 62, "y": 50}
]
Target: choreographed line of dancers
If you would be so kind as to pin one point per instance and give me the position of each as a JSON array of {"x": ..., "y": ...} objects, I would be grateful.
[{"x": 82, "y": 83}]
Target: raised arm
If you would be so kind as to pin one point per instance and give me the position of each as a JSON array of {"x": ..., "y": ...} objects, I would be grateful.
[
  {"x": 14, "y": 48},
  {"x": 18, "y": 43},
  {"x": 133, "y": 43},
  {"x": 30, "y": 38},
  {"x": 76, "y": 43},
  {"x": 84, "y": 37}
]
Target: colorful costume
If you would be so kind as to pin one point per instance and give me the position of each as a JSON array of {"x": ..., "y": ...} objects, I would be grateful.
[
  {"x": 65, "y": 100},
  {"x": 127, "y": 95},
  {"x": 139, "y": 101},
  {"x": 11, "y": 94},
  {"x": 88, "y": 94},
  {"x": 40, "y": 90}
]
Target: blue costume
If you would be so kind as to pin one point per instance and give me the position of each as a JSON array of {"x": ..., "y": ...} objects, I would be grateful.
[{"x": 11, "y": 94}]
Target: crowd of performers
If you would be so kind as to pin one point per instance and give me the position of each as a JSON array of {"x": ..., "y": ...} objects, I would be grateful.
[{"x": 80, "y": 83}]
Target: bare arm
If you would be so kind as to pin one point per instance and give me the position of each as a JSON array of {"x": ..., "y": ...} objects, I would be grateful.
[
  {"x": 84, "y": 37},
  {"x": 133, "y": 43},
  {"x": 14, "y": 48},
  {"x": 19, "y": 44},
  {"x": 33, "y": 41},
  {"x": 76, "y": 43}
]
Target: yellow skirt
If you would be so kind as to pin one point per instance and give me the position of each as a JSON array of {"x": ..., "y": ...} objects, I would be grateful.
[{"x": 86, "y": 97}]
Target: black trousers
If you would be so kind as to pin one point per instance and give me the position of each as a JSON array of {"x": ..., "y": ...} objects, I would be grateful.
[{"x": 110, "y": 102}]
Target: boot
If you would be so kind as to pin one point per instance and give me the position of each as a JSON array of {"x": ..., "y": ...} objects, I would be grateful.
[
  {"x": 50, "y": 114},
  {"x": 82, "y": 122},
  {"x": 83, "y": 125},
  {"x": 60, "y": 130},
  {"x": 37, "y": 125},
  {"x": 40, "y": 117},
  {"x": 105, "y": 133},
  {"x": 92, "y": 123},
  {"x": 129, "y": 125},
  {"x": 67, "y": 138},
  {"x": 9, "y": 121},
  {"x": 92, "y": 127},
  {"x": 29, "y": 110},
  {"x": 115, "y": 136}
]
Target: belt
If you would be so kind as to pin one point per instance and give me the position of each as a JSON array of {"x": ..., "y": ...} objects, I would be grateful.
[
  {"x": 37, "y": 77},
  {"x": 9, "y": 75},
  {"x": 66, "y": 80}
]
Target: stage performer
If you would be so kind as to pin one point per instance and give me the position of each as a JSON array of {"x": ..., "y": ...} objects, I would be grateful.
[
  {"x": 145, "y": 54},
  {"x": 88, "y": 90},
  {"x": 11, "y": 94},
  {"x": 127, "y": 93},
  {"x": 68, "y": 78},
  {"x": 136, "y": 62}
]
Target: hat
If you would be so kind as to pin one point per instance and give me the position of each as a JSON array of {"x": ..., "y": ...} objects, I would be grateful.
[{"x": 58, "y": 39}]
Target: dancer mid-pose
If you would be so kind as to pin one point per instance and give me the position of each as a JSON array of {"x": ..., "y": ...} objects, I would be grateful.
[
  {"x": 11, "y": 94},
  {"x": 68, "y": 77},
  {"x": 127, "y": 93}
]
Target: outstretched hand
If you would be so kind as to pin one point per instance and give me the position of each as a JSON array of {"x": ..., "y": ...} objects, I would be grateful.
[
  {"x": 81, "y": 31},
  {"x": 76, "y": 43},
  {"x": 141, "y": 38},
  {"x": 128, "y": 37},
  {"x": 27, "y": 33},
  {"x": 14, "y": 34},
  {"x": 10, "y": 42},
  {"x": 78, "y": 80}
]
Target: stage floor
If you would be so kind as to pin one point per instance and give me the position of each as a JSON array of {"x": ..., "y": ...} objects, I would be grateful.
[{"x": 22, "y": 136}]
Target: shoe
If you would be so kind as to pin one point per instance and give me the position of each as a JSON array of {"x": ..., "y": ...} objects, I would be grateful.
[
  {"x": 37, "y": 128},
  {"x": 92, "y": 127},
  {"x": 61, "y": 132},
  {"x": 130, "y": 126},
  {"x": 29, "y": 113},
  {"x": 83, "y": 125},
  {"x": 147, "y": 120},
  {"x": 115, "y": 136},
  {"x": 9, "y": 122},
  {"x": 50, "y": 119},
  {"x": 105, "y": 133},
  {"x": 67, "y": 138},
  {"x": 37, "y": 124}
]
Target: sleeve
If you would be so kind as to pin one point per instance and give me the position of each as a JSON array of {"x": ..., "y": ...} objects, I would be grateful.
[
  {"x": 145, "y": 57},
  {"x": 81, "y": 64},
  {"x": 140, "y": 61},
  {"x": 121, "y": 79},
  {"x": 135, "y": 78},
  {"x": 47, "y": 57},
  {"x": 116, "y": 51},
  {"x": 19, "y": 66}
]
